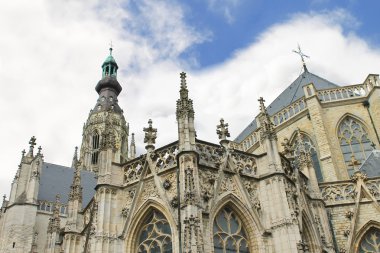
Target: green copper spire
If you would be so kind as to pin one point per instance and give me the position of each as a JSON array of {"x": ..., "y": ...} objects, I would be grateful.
[{"x": 109, "y": 66}]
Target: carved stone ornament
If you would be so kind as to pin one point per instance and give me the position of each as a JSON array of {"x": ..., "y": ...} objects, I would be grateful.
[
  {"x": 125, "y": 212},
  {"x": 358, "y": 175},
  {"x": 166, "y": 184},
  {"x": 174, "y": 202},
  {"x": 222, "y": 130},
  {"x": 349, "y": 214},
  {"x": 346, "y": 232}
]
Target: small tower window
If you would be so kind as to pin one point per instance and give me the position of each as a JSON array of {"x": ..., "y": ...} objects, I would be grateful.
[
  {"x": 95, "y": 147},
  {"x": 107, "y": 70}
]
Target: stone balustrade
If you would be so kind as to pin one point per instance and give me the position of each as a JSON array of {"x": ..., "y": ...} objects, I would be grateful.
[{"x": 48, "y": 206}]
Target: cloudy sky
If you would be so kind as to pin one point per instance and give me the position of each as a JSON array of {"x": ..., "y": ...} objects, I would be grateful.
[{"x": 234, "y": 51}]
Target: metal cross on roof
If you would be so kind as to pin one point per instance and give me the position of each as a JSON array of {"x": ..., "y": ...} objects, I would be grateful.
[
  {"x": 111, "y": 47},
  {"x": 302, "y": 55}
]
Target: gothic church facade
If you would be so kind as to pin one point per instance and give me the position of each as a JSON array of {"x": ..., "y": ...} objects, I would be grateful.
[{"x": 303, "y": 176}]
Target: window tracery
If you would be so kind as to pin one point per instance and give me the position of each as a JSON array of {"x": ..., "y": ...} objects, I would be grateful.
[
  {"x": 354, "y": 142},
  {"x": 229, "y": 233},
  {"x": 155, "y": 235},
  {"x": 309, "y": 146},
  {"x": 370, "y": 242}
]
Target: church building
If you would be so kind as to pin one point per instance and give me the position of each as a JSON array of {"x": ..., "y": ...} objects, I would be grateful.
[{"x": 303, "y": 176}]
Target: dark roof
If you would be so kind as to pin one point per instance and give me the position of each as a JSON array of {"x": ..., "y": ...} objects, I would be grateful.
[
  {"x": 292, "y": 93},
  {"x": 371, "y": 166},
  {"x": 109, "y": 82},
  {"x": 57, "y": 179}
]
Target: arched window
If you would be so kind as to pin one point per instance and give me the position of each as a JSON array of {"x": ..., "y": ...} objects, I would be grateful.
[
  {"x": 370, "y": 243},
  {"x": 309, "y": 146},
  {"x": 229, "y": 234},
  {"x": 354, "y": 142},
  {"x": 95, "y": 148},
  {"x": 155, "y": 235}
]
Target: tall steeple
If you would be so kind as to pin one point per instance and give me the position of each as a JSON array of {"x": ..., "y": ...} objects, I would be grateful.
[{"x": 106, "y": 125}]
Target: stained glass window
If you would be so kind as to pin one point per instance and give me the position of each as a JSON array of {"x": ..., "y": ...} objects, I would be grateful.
[
  {"x": 155, "y": 235},
  {"x": 370, "y": 242},
  {"x": 229, "y": 234},
  {"x": 354, "y": 142},
  {"x": 309, "y": 146}
]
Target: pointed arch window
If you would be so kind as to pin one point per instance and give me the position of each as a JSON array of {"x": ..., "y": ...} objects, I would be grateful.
[
  {"x": 229, "y": 233},
  {"x": 155, "y": 235},
  {"x": 354, "y": 142},
  {"x": 95, "y": 147},
  {"x": 370, "y": 243},
  {"x": 309, "y": 146}
]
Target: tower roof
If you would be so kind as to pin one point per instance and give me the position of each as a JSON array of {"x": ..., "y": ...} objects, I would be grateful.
[
  {"x": 292, "y": 93},
  {"x": 109, "y": 60}
]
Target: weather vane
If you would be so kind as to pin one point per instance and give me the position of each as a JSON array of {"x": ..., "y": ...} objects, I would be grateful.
[{"x": 302, "y": 55}]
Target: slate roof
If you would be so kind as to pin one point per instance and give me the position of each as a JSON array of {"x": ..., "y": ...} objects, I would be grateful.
[
  {"x": 56, "y": 179},
  {"x": 371, "y": 166},
  {"x": 292, "y": 93}
]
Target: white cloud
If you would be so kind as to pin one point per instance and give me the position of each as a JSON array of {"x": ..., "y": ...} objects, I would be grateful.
[
  {"x": 52, "y": 52},
  {"x": 226, "y": 8}
]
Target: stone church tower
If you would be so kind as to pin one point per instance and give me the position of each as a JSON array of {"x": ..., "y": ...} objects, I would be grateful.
[
  {"x": 106, "y": 125},
  {"x": 303, "y": 177}
]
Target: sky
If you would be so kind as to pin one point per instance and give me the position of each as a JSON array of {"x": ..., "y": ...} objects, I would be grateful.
[{"x": 233, "y": 51}]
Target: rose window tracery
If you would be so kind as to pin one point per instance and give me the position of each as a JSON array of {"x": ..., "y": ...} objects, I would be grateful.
[
  {"x": 229, "y": 233},
  {"x": 155, "y": 235}
]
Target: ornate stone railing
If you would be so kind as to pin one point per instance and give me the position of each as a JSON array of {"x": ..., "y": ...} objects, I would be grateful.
[
  {"x": 345, "y": 191},
  {"x": 165, "y": 157},
  {"x": 48, "y": 206},
  {"x": 245, "y": 164},
  {"x": 349, "y": 92},
  {"x": 251, "y": 140},
  {"x": 209, "y": 155},
  {"x": 133, "y": 169},
  {"x": 162, "y": 159},
  {"x": 289, "y": 112},
  {"x": 344, "y": 93}
]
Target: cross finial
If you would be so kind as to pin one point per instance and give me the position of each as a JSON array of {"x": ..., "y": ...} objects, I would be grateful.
[
  {"x": 302, "y": 55},
  {"x": 262, "y": 105},
  {"x": 222, "y": 130},
  {"x": 150, "y": 134},
  {"x": 32, "y": 143},
  {"x": 111, "y": 47},
  {"x": 183, "y": 80},
  {"x": 39, "y": 150}
]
